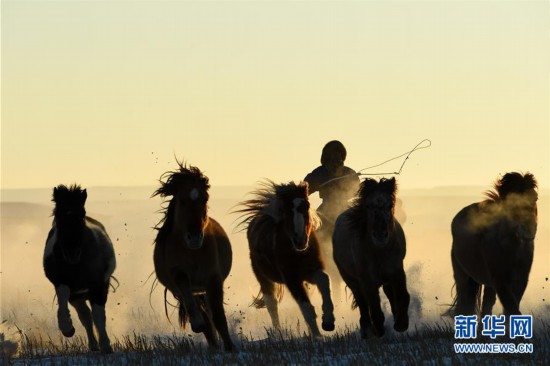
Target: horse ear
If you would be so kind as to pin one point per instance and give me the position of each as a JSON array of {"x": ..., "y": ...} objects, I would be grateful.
[
  {"x": 84, "y": 196},
  {"x": 392, "y": 184},
  {"x": 55, "y": 194},
  {"x": 273, "y": 210}
]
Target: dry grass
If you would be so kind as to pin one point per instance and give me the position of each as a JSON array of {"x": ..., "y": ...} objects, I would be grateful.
[{"x": 432, "y": 344}]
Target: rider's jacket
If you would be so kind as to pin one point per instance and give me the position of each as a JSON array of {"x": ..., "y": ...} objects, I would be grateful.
[{"x": 335, "y": 191}]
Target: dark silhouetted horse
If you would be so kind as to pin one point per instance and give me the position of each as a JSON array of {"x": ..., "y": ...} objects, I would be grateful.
[
  {"x": 284, "y": 251},
  {"x": 193, "y": 254},
  {"x": 79, "y": 260},
  {"x": 369, "y": 247},
  {"x": 493, "y": 243}
]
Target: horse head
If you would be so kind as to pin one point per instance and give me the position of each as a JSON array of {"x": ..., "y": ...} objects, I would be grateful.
[
  {"x": 518, "y": 196},
  {"x": 290, "y": 208},
  {"x": 188, "y": 209},
  {"x": 377, "y": 201},
  {"x": 69, "y": 216}
]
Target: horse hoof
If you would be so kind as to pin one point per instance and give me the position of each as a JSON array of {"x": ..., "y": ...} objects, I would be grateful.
[
  {"x": 379, "y": 332},
  {"x": 327, "y": 327},
  {"x": 229, "y": 347},
  {"x": 107, "y": 350},
  {"x": 68, "y": 333},
  {"x": 401, "y": 326},
  {"x": 199, "y": 328}
]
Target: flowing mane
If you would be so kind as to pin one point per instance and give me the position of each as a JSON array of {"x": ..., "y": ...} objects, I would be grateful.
[
  {"x": 174, "y": 180},
  {"x": 369, "y": 187},
  {"x": 511, "y": 183},
  {"x": 262, "y": 205}
]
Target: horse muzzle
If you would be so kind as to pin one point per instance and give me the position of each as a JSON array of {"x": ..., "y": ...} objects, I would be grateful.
[
  {"x": 72, "y": 257},
  {"x": 194, "y": 242},
  {"x": 300, "y": 243},
  {"x": 526, "y": 233},
  {"x": 380, "y": 238}
]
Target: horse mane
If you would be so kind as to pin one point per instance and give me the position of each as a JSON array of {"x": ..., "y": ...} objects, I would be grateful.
[
  {"x": 264, "y": 198},
  {"x": 368, "y": 187},
  {"x": 62, "y": 191},
  {"x": 72, "y": 189},
  {"x": 511, "y": 183},
  {"x": 170, "y": 181}
]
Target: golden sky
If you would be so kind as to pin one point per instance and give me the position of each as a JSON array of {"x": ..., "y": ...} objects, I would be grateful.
[{"x": 105, "y": 93}]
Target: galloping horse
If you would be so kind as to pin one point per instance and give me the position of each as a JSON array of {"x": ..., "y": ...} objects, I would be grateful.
[
  {"x": 369, "y": 248},
  {"x": 79, "y": 260},
  {"x": 285, "y": 250},
  {"x": 193, "y": 254},
  {"x": 493, "y": 244}
]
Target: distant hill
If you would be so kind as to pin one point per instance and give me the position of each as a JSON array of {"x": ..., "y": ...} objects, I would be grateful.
[
  {"x": 107, "y": 194},
  {"x": 24, "y": 209}
]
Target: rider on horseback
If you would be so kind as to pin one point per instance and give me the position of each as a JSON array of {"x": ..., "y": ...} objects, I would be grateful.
[{"x": 336, "y": 183}]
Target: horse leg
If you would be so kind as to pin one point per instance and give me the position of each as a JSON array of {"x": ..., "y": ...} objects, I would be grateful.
[
  {"x": 388, "y": 290},
  {"x": 401, "y": 299},
  {"x": 489, "y": 299},
  {"x": 520, "y": 284},
  {"x": 85, "y": 316},
  {"x": 214, "y": 293},
  {"x": 336, "y": 280},
  {"x": 63, "y": 314},
  {"x": 98, "y": 299},
  {"x": 322, "y": 280},
  {"x": 364, "y": 320},
  {"x": 184, "y": 292},
  {"x": 267, "y": 288},
  {"x": 376, "y": 314},
  {"x": 298, "y": 291},
  {"x": 506, "y": 296},
  {"x": 466, "y": 290},
  {"x": 325, "y": 241},
  {"x": 209, "y": 332}
]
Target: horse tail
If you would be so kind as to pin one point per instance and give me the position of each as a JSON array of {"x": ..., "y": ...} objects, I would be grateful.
[
  {"x": 113, "y": 287},
  {"x": 478, "y": 299},
  {"x": 451, "y": 311},
  {"x": 258, "y": 301},
  {"x": 166, "y": 303},
  {"x": 353, "y": 301},
  {"x": 183, "y": 317}
]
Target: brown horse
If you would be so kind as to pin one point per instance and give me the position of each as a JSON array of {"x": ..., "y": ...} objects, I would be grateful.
[
  {"x": 284, "y": 251},
  {"x": 369, "y": 248},
  {"x": 493, "y": 244},
  {"x": 193, "y": 254}
]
